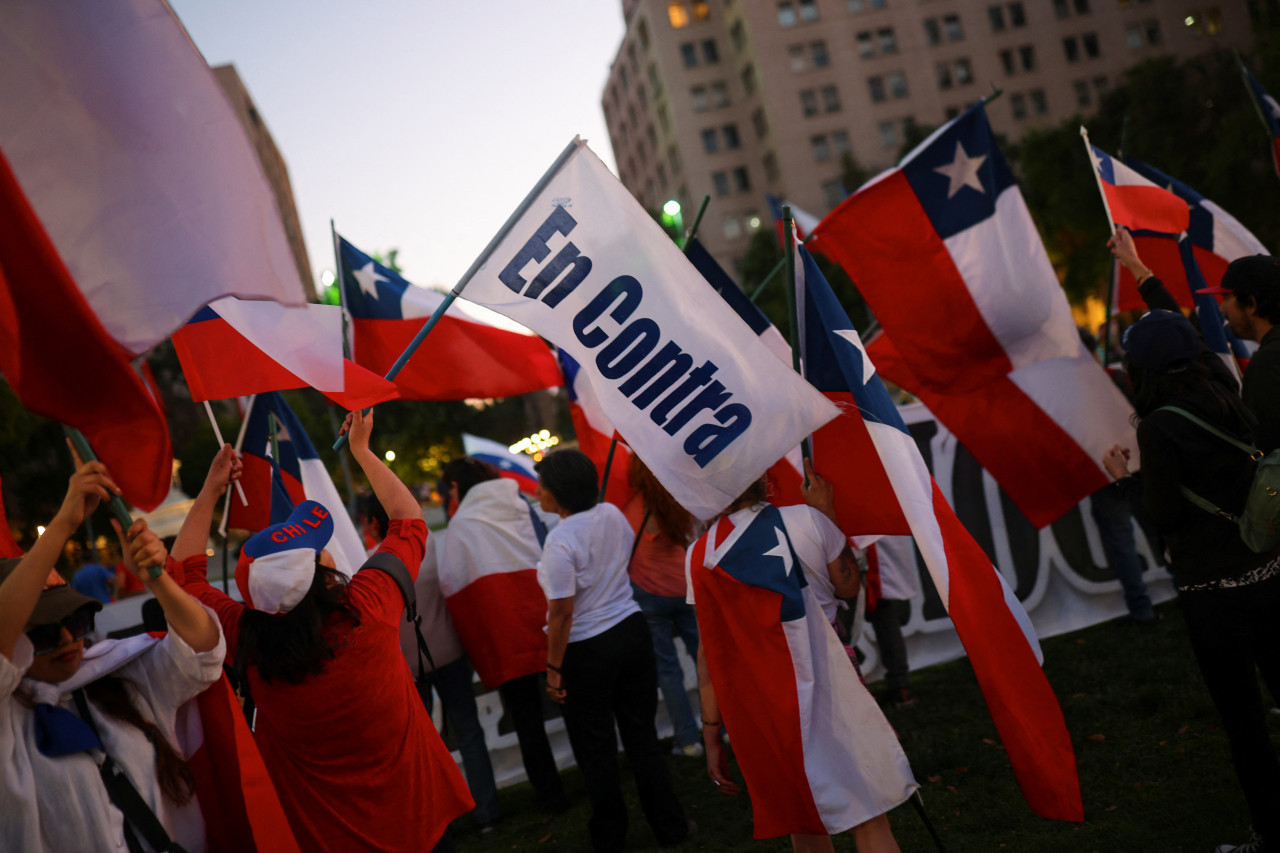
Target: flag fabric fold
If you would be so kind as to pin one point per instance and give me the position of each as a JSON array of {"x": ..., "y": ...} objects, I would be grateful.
[
  {"x": 944, "y": 251},
  {"x": 688, "y": 385},
  {"x": 889, "y": 485},
  {"x": 472, "y": 352}
]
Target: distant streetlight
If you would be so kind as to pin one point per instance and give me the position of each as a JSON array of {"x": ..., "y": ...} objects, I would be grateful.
[
  {"x": 390, "y": 456},
  {"x": 672, "y": 218},
  {"x": 39, "y": 530}
]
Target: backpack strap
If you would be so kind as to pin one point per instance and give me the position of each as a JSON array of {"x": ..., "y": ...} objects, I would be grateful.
[
  {"x": 390, "y": 564},
  {"x": 124, "y": 796},
  {"x": 1254, "y": 453}
]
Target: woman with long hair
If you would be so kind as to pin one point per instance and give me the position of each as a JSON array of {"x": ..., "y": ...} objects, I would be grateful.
[
  {"x": 70, "y": 713},
  {"x": 663, "y": 530},
  {"x": 352, "y": 751}
]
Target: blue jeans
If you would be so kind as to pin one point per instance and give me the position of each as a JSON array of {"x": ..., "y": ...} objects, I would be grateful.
[
  {"x": 669, "y": 618},
  {"x": 453, "y": 682},
  {"x": 1112, "y": 514}
]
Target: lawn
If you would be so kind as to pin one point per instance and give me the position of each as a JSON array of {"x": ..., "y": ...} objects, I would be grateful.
[{"x": 1154, "y": 767}]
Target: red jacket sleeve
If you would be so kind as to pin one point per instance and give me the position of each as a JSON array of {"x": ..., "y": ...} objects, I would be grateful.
[
  {"x": 192, "y": 575},
  {"x": 375, "y": 593}
]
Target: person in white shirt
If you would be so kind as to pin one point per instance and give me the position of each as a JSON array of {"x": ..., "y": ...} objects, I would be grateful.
[
  {"x": 600, "y": 663},
  {"x": 129, "y": 690}
]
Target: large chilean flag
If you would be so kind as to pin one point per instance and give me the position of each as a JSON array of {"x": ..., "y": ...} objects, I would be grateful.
[
  {"x": 472, "y": 351},
  {"x": 884, "y": 486},
  {"x": 945, "y": 252}
]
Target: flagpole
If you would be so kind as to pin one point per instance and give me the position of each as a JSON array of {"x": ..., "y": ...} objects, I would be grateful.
[
  {"x": 1111, "y": 284},
  {"x": 608, "y": 465},
  {"x": 217, "y": 433},
  {"x": 777, "y": 268},
  {"x": 343, "y": 463},
  {"x": 342, "y": 290},
  {"x": 520, "y": 211},
  {"x": 706, "y": 199},
  {"x": 273, "y": 426},
  {"x": 226, "y": 504},
  {"x": 790, "y": 260}
]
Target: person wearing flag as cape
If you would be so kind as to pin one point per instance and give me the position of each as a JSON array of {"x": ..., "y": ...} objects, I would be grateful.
[
  {"x": 352, "y": 751},
  {"x": 816, "y": 751},
  {"x": 64, "y": 706}
]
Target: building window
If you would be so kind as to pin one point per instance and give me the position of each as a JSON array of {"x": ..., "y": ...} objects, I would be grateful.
[
  {"x": 1039, "y": 103},
  {"x": 1027, "y": 53},
  {"x": 710, "y": 141},
  {"x": 1151, "y": 29},
  {"x": 689, "y": 54},
  {"x": 1082, "y": 7},
  {"x": 770, "y": 163},
  {"x": 942, "y": 70},
  {"x": 729, "y": 133},
  {"x": 759, "y": 124},
  {"x": 888, "y": 43},
  {"x": 1071, "y": 48},
  {"x": 1018, "y": 103},
  {"x": 1017, "y": 15},
  {"x": 1101, "y": 86},
  {"x": 719, "y": 94},
  {"x": 876, "y": 85},
  {"x": 655, "y": 82},
  {"x": 787, "y": 13},
  {"x": 732, "y": 228},
  {"x": 624, "y": 78},
  {"x": 840, "y": 143},
  {"x": 673, "y": 158},
  {"x": 951, "y": 26},
  {"x": 749, "y": 78},
  {"x": 1083, "y": 99},
  {"x": 1090, "y": 43},
  {"x": 662, "y": 176},
  {"x": 950, "y": 112},
  {"x": 963, "y": 73},
  {"x": 742, "y": 180},
  {"x": 653, "y": 137},
  {"x": 897, "y": 84},
  {"x": 820, "y": 148},
  {"x": 808, "y": 102},
  {"x": 642, "y": 97},
  {"x": 808, "y": 10},
  {"x": 1133, "y": 36},
  {"x": 710, "y": 52},
  {"x": 678, "y": 13},
  {"x": 799, "y": 59},
  {"x": 995, "y": 14},
  {"x": 699, "y": 95},
  {"x": 1006, "y": 62},
  {"x": 720, "y": 182},
  {"x": 664, "y": 118},
  {"x": 737, "y": 35},
  {"x": 833, "y": 192},
  {"x": 818, "y": 53},
  {"x": 1061, "y": 9},
  {"x": 932, "y": 32},
  {"x": 889, "y": 136},
  {"x": 866, "y": 47}
]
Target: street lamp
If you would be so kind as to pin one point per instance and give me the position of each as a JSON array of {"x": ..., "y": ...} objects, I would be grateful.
[{"x": 672, "y": 218}]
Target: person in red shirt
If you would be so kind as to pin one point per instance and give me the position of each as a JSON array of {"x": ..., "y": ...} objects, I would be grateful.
[{"x": 353, "y": 754}]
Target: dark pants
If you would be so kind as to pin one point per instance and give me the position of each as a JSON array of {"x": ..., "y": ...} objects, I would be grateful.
[
  {"x": 1235, "y": 633},
  {"x": 669, "y": 618},
  {"x": 453, "y": 682},
  {"x": 522, "y": 697},
  {"x": 1114, "y": 517},
  {"x": 610, "y": 678},
  {"x": 887, "y": 621}
]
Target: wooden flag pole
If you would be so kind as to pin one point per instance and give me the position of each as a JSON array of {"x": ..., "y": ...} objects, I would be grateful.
[
  {"x": 792, "y": 311},
  {"x": 217, "y": 433},
  {"x": 480, "y": 261},
  {"x": 226, "y": 504},
  {"x": 118, "y": 507}
]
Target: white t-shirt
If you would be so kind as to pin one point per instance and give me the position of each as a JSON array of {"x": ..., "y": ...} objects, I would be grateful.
[
  {"x": 816, "y": 540},
  {"x": 586, "y": 557}
]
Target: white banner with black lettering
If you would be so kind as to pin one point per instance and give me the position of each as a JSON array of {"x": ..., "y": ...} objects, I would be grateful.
[{"x": 683, "y": 379}]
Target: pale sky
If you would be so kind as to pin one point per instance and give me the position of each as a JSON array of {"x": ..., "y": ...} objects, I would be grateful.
[{"x": 415, "y": 125}]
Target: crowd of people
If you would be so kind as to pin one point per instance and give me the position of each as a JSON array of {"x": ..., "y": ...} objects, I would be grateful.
[{"x": 578, "y": 603}]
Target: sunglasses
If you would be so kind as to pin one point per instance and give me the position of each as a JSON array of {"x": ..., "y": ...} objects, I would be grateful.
[{"x": 47, "y": 638}]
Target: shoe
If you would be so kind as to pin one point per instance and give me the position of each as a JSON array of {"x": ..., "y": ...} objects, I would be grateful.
[
  {"x": 1255, "y": 844},
  {"x": 900, "y": 698},
  {"x": 693, "y": 750}
]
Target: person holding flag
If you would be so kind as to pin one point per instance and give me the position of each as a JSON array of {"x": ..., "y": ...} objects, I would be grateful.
[
  {"x": 814, "y": 747},
  {"x": 352, "y": 751}
]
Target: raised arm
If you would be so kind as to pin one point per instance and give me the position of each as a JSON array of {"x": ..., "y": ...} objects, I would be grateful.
[
  {"x": 194, "y": 534},
  {"x": 846, "y": 578},
  {"x": 395, "y": 496},
  {"x": 142, "y": 548},
  {"x": 1150, "y": 288}
]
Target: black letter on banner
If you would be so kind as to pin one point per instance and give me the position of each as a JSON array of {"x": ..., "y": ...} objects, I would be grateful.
[
  {"x": 670, "y": 356},
  {"x": 696, "y": 379},
  {"x": 706, "y": 442},
  {"x": 624, "y": 288},
  {"x": 711, "y": 397},
  {"x": 569, "y": 255},
  {"x": 535, "y": 249},
  {"x": 615, "y": 361}
]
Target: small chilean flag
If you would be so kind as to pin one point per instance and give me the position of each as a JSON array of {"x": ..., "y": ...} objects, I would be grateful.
[
  {"x": 1268, "y": 111},
  {"x": 472, "y": 351},
  {"x": 1136, "y": 202},
  {"x": 595, "y": 432},
  {"x": 513, "y": 466}
]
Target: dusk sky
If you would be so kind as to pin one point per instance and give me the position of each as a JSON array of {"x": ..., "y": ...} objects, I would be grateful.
[{"x": 415, "y": 125}]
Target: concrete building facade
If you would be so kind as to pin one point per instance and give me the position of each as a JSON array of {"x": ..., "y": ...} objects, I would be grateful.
[{"x": 737, "y": 99}]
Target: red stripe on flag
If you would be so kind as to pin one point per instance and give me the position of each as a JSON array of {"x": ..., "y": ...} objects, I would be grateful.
[
  {"x": 1150, "y": 208},
  {"x": 1162, "y": 257},
  {"x": 63, "y": 365},
  {"x": 843, "y": 452},
  {"x": 1021, "y": 701},
  {"x": 499, "y": 618},
  {"x": 219, "y": 362},
  {"x": 1037, "y": 463},
  {"x": 362, "y": 388},
  {"x": 256, "y": 481},
  {"x": 951, "y": 347},
  {"x": 595, "y": 445}
]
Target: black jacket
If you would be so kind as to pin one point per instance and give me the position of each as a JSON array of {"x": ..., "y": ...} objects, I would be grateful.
[{"x": 1261, "y": 392}]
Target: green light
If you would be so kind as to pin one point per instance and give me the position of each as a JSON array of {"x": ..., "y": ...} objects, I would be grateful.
[{"x": 671, "y": 208}]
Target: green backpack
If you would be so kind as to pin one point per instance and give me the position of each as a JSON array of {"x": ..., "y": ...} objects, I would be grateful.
[{"x": 1260, "y": 522}]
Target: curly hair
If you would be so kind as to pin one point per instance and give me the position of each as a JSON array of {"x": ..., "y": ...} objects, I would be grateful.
[{"x": 674, "y": 521}]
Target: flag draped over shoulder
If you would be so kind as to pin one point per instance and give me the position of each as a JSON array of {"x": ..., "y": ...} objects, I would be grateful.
[
  {"x": 882, "y": 481},
  {"x": 975, "y": 322},
  {"x": 472, "y": 352},
  {"x": 136, "y": 165},
  {"x": 688, "y": 385},
  {"x": 1268, "y": 111},
  {"x": 301, "y": 476},
  {"x": 234, "y": 347},
  {"x": 63, "y": 365}
]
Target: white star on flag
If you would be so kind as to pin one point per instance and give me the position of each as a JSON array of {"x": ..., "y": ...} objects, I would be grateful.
[
  {"x": 868, "y": 369},
  {"x": 1273, "y": 107},
  {"x": 368, "y": 279},
  {"x": 963, "y": 171},
  {"x": 783, "y": 550}
]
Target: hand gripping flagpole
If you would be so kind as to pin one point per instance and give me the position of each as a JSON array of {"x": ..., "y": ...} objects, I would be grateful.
[
  {"x": 217, "y": 433},
  {"x": 520, "y": 211}
]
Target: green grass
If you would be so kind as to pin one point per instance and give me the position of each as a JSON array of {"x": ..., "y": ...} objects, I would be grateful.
[{"x": 1154, "y": 768}]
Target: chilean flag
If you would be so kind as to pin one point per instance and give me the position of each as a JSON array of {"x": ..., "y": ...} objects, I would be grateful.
[
  {"x": 472, "y": 351},
  {"x": 805, "y": 221},
  {"x": 975, "y": 322},
  {"x": 818, "y": 755},
  {"x": 1215, "y": 238},
  {"x": 1268, "y": 111},
  {"x": 595, "y": 432},
  {"x": 233, "y": 348},
  {"x": 8, "y": 545},
  {"x": 302, "y": 476},
  {"x": 513, "y": 466},
  {"x": 1136, "y": 202},
  {"x": 884, "y": 486}
]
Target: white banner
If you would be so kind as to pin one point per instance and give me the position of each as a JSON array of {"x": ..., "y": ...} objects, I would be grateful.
[{"x": 683, "y": 379}]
